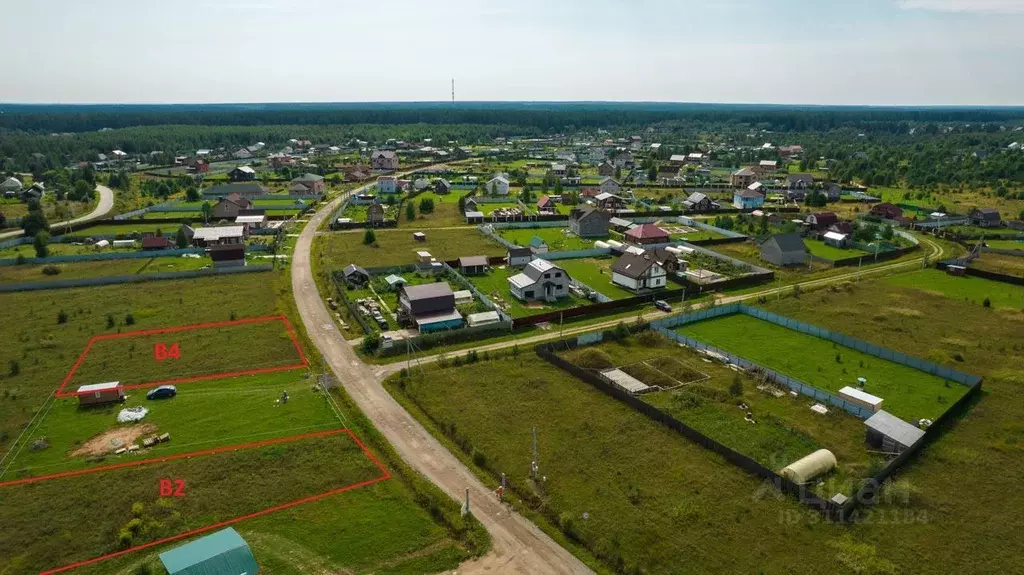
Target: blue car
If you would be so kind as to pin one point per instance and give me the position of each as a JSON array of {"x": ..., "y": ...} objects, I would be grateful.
[{"x": 162, "y": 392}]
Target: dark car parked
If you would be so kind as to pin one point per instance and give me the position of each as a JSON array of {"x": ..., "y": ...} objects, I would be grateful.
[{"x": 162, "y": 392}]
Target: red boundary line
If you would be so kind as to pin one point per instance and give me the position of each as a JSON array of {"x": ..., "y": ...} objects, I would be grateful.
[
  {"x": 288, "y": 327},
  {"x": 385, "y": 474}
]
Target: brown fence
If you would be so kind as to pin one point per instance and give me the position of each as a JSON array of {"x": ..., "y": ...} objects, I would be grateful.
[
  {"x": 872, "y": 258},
  {"x": 806, "y": 496},
  {"x": 996, "y": 277}
]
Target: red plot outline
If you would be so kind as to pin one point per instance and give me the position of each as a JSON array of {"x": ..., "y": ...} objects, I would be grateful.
[
  {"x": 288, "y": 326},
  {"x": 385, "y": 474}
]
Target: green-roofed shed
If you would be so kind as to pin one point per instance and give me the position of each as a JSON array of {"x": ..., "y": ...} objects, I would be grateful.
[{"x": 222, "y": 553}]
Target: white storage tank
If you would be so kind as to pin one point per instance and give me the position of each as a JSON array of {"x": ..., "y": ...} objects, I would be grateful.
[
  {"x": 614, "y": 244},
  {"x": 601, "y": 245},
  {"x": 805, "y": 469}
]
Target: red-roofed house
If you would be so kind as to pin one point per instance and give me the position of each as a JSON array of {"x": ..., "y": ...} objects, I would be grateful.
[
  {"x": 545, "y": 205},
  {"x": 822, "y": 221},
  {"x": 886, "y": 211},
  {"x": 647, "y": 234}
]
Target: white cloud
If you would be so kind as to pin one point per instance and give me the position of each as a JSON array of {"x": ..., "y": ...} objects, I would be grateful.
[{"x": 963, "y": 6}]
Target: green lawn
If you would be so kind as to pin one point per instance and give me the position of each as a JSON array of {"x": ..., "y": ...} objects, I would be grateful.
[
  {"x": 558, "y": 239},
  {"x": 376, "y": 529},
  {"x": 495, "y": 286},
  {"x": 908, "y": 393},
  {"x": 135, "y": 227},
  {"x": 396, "y": 247},
  {"x": 597, "y": 274},
  {"x": 446, "y": 211},
  {"x": 90, "y": 269},
  {"x": 1011, "y": 244},
  {"x": 970, "y": 289},
  {"x": 1011, "y": 265},
  {"x": 786, "y": 428},
  {"x": 822, "y": 250}
]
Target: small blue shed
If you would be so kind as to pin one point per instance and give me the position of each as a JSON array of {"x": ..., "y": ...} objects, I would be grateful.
[{"x": 221, "y": 553}]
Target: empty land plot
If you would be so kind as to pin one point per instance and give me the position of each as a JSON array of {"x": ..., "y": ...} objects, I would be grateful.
[
  {"x": 558, "y": 239},
  {"x": 785, "y": 429},
  {"x": 1011, "y": 265},
  {"x": 187, "y": 353},
  {"x": 109, "y": 510},
  {"x": 446, "y": 211},
  {"x": 966, "y": 288},
  {"x": 596, "y": 273},
  {"x": 397, "y": 247},
  {"x": 636, "y": 492},
  {"x": 908, "y": 393},
  {"x": 1006, "y": 244},
  {"x": 76, "y": 438}
]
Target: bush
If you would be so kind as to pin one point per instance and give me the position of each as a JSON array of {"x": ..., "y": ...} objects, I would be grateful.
[
  {"x": 986, "y": 303},
  {"x": 14, "y": 368},
  {"x": 62, "y": 317},
  {"x": 124, "y": 539},
  {"x": 594, "y": 359},
  {"x": 137, "y": 508},
  {"x": 51, "y": 270},
  {"x": 736, "y": 387},
  {"x": 371, "y": 343},
  {"x": 110, "y": 321},
  {"x": 20, "y": 260},
  {"x": 369, "y": 238},
  {"x": 41, "y": 243},
  {"x": 129, "y": 319}
]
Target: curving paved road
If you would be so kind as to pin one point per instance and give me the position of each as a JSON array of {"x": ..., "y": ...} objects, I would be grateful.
[
  {"x": 103, "y": 208},
  {"x": 519, "y": 547}
]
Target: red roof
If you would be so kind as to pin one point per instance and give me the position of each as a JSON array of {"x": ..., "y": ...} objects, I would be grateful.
[
  {"x": 543, "y": 201},
  {"x": 647, "y": 231},
  {"x": 153, "y": 242}
]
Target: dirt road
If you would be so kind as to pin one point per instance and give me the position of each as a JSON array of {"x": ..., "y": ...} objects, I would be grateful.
[
  {"x": 519, "y": 546},
  {"x": 103, "y": 208}
]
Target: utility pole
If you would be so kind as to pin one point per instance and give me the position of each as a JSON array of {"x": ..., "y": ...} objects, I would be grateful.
[{"x": 453, "y": 91}]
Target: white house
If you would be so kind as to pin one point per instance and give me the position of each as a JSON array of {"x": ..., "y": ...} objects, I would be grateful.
[
  {"x": 836, "y": 239},
  {"x": 497, "y": 186},
  {"x": 387, "y": 185},
  {"x": 540, "y": 280},
  {"x": 638, "y": 272}
]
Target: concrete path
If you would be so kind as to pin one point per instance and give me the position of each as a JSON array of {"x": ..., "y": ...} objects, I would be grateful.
[
  {"x": 519, "y": 547},
  {"x": 103, "y": 208}
]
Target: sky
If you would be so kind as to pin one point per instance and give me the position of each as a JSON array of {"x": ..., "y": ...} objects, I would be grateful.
[{"x": 838, "y": 52}]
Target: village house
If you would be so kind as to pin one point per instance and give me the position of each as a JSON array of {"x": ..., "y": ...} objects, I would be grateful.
[
  {"x": 227, "y": 256},
  {"x": 387, "y": 185},
  {"x": 518, "y": 257},
  {"x": 821, "y": 221},
  {"x": 374, "y": 213},
  {"x": 11, "y": 187},
  {"x": 442, "y": 186},
  {"x": 784, "y": 250},
  {"x": 799, "y": 181},
  {"x": 384, "y": 160},
  {"x": 309, "y": 185},
  {"x": 497, "y": 186},
  {"x": 36, "y": 191},
  {"x": 248, "y": 190},
  {"x": 589, "y": 222},
  {"x": 747, "y": 199},
  {"x": 218, "y": 236},
  {"x": 609, "y": 201},
  {"x": 545, "y": 205},
  {"x": 698, "y": 202},
  {"x": 984, "y": 217},
  {"x": 677, "y": 160},
  {"x": 606, "y": 169},
  {"x": 667, "y": 259},
  {"x": 742, "y": 178},
  {"x": 538, "y": 245},
  {"x": 242, "y": 174},
  {"x": 540, "y": 280},
  {"x": 638, "y": 272},
  {"x": 229, "y": 207},
  {"x": 886, "y": 211},
  {"x": 609, "y": 186},
  {"x": 765, "y": 167},
  {"x": 647, "y": 234},
  {"x": 429, "y": 307},
  {"x": 836, "y": 240},
  {"x": 472, "y": 265}
]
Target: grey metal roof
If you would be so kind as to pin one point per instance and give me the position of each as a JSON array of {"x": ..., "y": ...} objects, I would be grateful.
[
  {"x": 633, "y": 266},
  {"x": 353, "y": 268},
  {"x": 427, "y": 291},
  {"x": 790, "y": 242},
  {"x": 893, "y": 427},
  {"x": 472, "y": 261}
]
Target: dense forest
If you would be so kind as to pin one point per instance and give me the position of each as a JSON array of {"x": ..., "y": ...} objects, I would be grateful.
[{"x": 920, "y": 147}]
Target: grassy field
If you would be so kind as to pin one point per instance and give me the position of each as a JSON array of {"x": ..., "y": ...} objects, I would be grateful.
[
  {"x": 636, "y": 481},
  {"x": 558, "y": 239},
  {"x": 908, "y": 393},
  {"x": 446, "y": 211},
  {"x": 786, "y": 428},
  {"x": 95, "y": 520},
  {"x": 397, "y": 247},
  {"x": 79, "y": 270},
  {"x": 495, "y": 286},
  {"x": 135, "y": 227},
  {"x": 384, "y": 528},
  {"x": 1000, "y": 263},
  {"x": 822, "y": 250},
  {"x": 55, "y": 211},
  {"x": 132, "y": 360},
  {"x": 968, "y": 289},
  {"x": 597, "y": 274},
  {"x": 1005, "y": 244}
]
